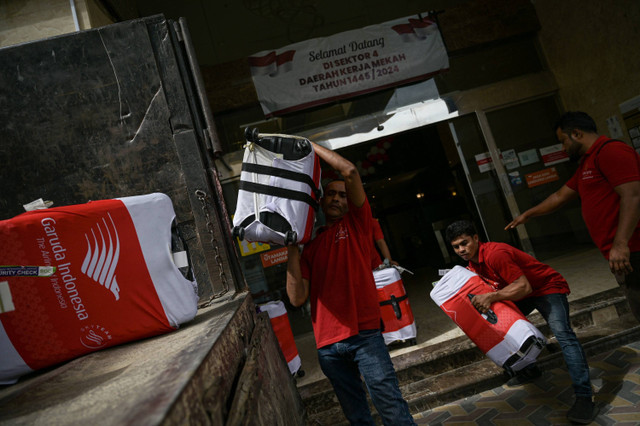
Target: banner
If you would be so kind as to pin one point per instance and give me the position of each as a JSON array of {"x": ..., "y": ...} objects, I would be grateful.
[{"x": 352, "y": 63}]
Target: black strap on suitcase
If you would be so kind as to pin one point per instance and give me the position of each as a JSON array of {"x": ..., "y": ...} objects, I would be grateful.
[{"x": 395, "y": 303}]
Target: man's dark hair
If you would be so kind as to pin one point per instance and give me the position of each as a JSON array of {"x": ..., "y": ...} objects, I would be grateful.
[
  {"x": 459, "y": 228},
  {"x": 573, "y": 120},
  {"x": 330, "y": 181}
]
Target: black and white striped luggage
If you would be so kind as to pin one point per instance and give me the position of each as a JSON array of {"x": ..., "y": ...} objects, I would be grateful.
[{"x": 279, "y": 189}]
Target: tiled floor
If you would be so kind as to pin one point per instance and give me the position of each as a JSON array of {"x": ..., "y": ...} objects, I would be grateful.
[{"x": 615, "y": 376}]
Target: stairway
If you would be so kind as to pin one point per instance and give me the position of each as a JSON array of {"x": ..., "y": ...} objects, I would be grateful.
[{"x": 432, "y": 375}]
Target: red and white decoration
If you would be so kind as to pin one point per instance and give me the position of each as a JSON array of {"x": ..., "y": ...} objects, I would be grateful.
[
  {"x": 115, "y": 281},
  {"x": 500, "y": 340},
  {"x": 282, "y": 328},
  {"x": 390, "y": 287},
  {"x": 352, "y": 63}
]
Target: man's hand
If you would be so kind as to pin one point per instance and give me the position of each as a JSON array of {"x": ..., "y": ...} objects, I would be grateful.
[
  {"x": 482, "y": 302},
  {"x": 523, "y": 218},
  {"x": 619, "y": 259}
]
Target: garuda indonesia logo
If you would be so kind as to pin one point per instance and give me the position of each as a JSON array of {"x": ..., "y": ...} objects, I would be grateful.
[{"x": 103, "y": 252}]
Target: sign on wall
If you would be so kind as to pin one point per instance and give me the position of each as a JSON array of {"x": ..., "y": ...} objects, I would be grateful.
[{"x": 352, "y": 63}]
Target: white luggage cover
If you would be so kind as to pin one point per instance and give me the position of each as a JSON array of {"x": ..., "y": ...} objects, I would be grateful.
[
  {"x": 388, "y": 283},
  {"x": 503, "y": 340},
  {"x": 299, "y": 214},
  {"x": 114, "y": 281},
  {"x": 282, "y": 329}
]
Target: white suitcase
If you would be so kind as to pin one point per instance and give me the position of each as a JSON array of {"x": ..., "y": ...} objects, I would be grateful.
[
  {"x": 113, "y": 279},
  {"x": 279, "y": 190},
  {"x": 504, "y": 334}
]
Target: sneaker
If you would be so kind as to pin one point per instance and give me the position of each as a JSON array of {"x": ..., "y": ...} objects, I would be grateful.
[
  {"x": 526, "y": 375},
  {"x": 583, "y": 411}
]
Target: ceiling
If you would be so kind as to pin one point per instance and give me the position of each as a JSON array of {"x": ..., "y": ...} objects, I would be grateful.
[{"x": 228, "y": 30}]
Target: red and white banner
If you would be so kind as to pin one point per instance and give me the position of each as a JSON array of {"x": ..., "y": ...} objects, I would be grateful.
[{"x": 322, "y": 70}]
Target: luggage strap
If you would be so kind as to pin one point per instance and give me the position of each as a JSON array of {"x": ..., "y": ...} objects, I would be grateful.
[
  {"x": 395, "y": 303},
  {"x": 286, "y": 174},
  {"x": 524, "y": 349},
  {"x": 271, "y": 220},
  {"x": 279, "y": 192}
]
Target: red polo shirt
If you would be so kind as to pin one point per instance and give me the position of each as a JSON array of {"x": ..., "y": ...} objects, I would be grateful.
[
  {"x": 342, "y": 292},
  {"x": 502, "y": 264},
  {"x": 376, "y": 260},
  {"x": 597, "y": 175}
]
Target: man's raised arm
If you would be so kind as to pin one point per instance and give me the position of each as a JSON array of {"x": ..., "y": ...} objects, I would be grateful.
[{"x": 348, "y": 170}]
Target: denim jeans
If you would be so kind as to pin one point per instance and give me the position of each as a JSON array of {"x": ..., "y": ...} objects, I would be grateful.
[
  {"x": 554, "y": 308},
  {"x": 365, "y": 353}
]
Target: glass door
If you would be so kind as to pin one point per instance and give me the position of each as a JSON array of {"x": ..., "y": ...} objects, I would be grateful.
[{"x": 487, "y": 180}]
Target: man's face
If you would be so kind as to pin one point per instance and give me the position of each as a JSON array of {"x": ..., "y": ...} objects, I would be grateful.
[
  {"x": 334, "y": 201},
  {"x": 466, "y": 247},
  {"x": 569, "y": 145}
]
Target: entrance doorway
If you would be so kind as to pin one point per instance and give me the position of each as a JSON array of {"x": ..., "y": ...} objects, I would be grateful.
[{"x": 416, "y": 186}]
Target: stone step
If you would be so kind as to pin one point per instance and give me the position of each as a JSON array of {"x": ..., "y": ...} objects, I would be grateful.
[{"x": 431, "y": 375}]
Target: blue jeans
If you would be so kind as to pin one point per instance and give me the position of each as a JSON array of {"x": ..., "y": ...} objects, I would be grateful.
[
  {"x": 365, "y": 353},
  {"x": 554, "y": 308}
]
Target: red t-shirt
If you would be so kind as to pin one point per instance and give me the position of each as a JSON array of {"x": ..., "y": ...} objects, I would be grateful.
[
  {"x": 337, "y": 263},
  {"x": 502, "y": 264},
  {"x": 376, "y": 260},
  {"x": 597, "y": 175}
]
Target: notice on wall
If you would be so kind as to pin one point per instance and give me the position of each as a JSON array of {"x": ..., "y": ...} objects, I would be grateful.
[
  {"x": 274, "y": 257},
  {"x": 541, "y": 177},
  {"x": 528, "y": 157},
  {"x": 553, "y": 155},
  {"x": 515, "y": 179},
  {"x": 484, "y": 162},
  {"x": 247, "y": 248},
  {"x": 510, "y": 159},
  {"x": 352, "y": 63}
]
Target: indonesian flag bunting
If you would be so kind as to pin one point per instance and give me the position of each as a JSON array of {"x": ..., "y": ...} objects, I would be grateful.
[{"x": 352, "y": 63}]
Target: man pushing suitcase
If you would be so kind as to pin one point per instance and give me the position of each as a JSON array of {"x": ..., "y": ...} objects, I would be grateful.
[{"x": 531, "y": 284}]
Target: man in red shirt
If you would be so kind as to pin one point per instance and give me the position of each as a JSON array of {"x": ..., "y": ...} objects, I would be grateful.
[
  {"x": 608, "y": 183},
  {"x": 334, "y": 271},
  {"x": 379, "y": 244},
  {"x": 531, "y": 284}
]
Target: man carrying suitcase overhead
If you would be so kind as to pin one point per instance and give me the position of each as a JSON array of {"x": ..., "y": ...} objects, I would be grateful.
[
  {"x": 334, "y": 271},
  {"x": 531, "y": 284}
]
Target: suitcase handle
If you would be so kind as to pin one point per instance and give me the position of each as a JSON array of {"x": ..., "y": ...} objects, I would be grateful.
[{"x": 490, "y": 316}]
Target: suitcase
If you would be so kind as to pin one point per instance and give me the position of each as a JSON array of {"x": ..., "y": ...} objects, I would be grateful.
[
  {"x": 279, "y": 190},
  {"x": 112, "y": 279},
  {"x": 397, "y": 317},
  {"x": 503, "y": 334},
  {"x": 282, "y": 329}
]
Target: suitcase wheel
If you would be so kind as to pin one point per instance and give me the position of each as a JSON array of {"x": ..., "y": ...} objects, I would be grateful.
[
  {"x": 238, "y": 232},
  {"x": 290, "y": 238},
  {"x": 302, "y": 145},
  {"x": 300, "y": 373},
  {"x": 251, "y": 134}
]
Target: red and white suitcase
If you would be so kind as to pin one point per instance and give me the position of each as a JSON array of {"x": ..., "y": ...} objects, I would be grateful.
[
  {"x": 282, "y": 329},
  {"x": 111, "y": 279},
  {"x": 395, "y": 310},
  {"x": 503, "y": 334},
  {"x": 279, "y": 190}
]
